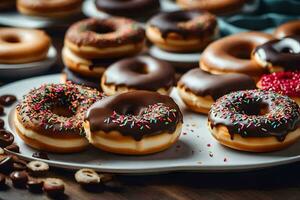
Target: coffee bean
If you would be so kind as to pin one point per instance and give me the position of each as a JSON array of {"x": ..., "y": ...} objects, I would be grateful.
[
  {"x": 19, "y": 178},
  {"x": 6, "y": 164},
  {"x": 7, "y": 100},
  {"x": 41, "y": 155},
  {"x": 54, "y": 187},
  {"x": 35, "y": 186},
  {"x": 19, "y": 164},
  {"x": 6, "y": 138},
  {"x": 13, "y": 147}
]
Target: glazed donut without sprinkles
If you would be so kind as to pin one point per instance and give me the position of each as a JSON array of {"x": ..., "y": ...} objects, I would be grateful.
[
  {"x": 182, "y": 31},
  {"x": 255, "y": 121},
  {"x": 215, "y": 6},
  {"x": 136, "y": 123},
  {"x": 199, "y": 89},
  {"x": 138, "y": 73},
  {"x": 93, "y": 68},
  {"x": 50, "y": 117},
  {"x": 129, "y": 8},
  {"x": 232, "y": 54},
  {"x": 285, "y": 83},
  {"x": 23, "y": 45},
  {"x": 53, "y": 8},
  {"x": 288, "y": 29},
  {"x": 105, "y": 38},
  {"x": 279, "y": 55}
]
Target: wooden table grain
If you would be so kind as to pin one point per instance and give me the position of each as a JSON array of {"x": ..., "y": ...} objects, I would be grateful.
[{"x": 277, "y": 183}]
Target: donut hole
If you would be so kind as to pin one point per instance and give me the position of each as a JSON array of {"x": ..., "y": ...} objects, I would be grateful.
[
  {"x": 179, "y": 18},
  {"x": 241, "y": 51},
  {"x": 62, "y": 110},
  {"x": 37, "y": 165},
  {"x": 12, "y": 39},
  {"x": 140, "y": 68},
  {"x": 286, "y": 50},
  {"x": 256, "y": 109},
  {"x": 102, "y": 29}
]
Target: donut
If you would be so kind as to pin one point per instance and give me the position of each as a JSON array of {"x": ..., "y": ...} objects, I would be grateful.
[
  {"x": 288, "y": 29},
  {"x": 182, "y": 31},
  {"x": 279, "y": 54},
  {"x": 19, "y": 45},
  {"x": 138, "y": 73},
  {"x": 136, "y": 123},
  {"x": 232, "y": 54},
  {"x": 73, "y": 77},
  {"x": 215, "y": 6},
  {"x": 51, "y": 9},
  {"x": 199, "y": 89},
  {"x": 105, "y": 38},
  {"x": 129, "y": 8},
  {"x": 93, "y": 68},
  {"x": 255, "y": 121},
  {"x": 49, "y": 118},
  {"x": 285, "y": 83}
]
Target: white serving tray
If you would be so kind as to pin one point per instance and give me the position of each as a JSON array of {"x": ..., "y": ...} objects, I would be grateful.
[
  {"x": 196, "y": 149},
  {"x": 10, "y": 71}
]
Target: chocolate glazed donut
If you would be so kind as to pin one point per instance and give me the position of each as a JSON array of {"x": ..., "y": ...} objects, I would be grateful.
[
  {"x": 182, "y": 31},
  {"x": 127, "y": 8},
  {"x": 69, "y": 75},
  {"x": 279, "y": 55},
  {"x": 203, "y": 83},
  {"x": 168, "y": 23},
  {"x": 255, "y": 120},
  {"x": 199, "y": 89},
  {"x": 139, "y": 73},
  {"x": 137, "y": 122}
]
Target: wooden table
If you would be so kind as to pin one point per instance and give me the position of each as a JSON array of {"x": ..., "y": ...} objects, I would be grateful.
[{"x": 282, "y": 183}]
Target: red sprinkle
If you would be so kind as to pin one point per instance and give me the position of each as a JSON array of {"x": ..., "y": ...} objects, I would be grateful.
[{"x": 286, "y": 83}]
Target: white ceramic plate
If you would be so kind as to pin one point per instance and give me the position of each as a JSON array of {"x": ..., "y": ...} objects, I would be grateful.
[
  {"x": 174, "y": 57},
  {"x": 28, "y": 69},
  {"x": 196, "y": 149},
  {"x": 15, "y": 19}
]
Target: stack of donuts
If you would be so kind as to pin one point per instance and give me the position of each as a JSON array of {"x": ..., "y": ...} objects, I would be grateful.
[{"x": 91, "y": 45}]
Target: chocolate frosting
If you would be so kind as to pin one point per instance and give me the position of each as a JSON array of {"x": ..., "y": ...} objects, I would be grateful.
[
  {"x": 108, "y": 32},
  {"x": 283, "y": 53},
  {"x": 202, "y": 83},
  {"x": 128, "y": 7},
  {"x": 115, "y": 113},
  {"x": 185, "y": 23},
  {"x": 82, "y": 80},
  {"x": 256, "y": 113},
  {"x": 142, "y": 72}
]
